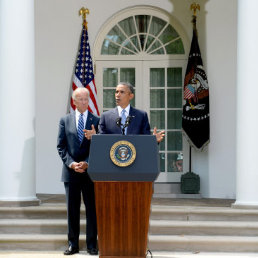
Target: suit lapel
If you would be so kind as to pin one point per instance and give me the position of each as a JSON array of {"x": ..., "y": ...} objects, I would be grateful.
[
  {"x": 115, "y": 115},
  {"x": 73, "y": 127},
  {"x": 73, "y": 124},
  {"x": 89, "y": 121},
  {"x": 131, "y": 125}
]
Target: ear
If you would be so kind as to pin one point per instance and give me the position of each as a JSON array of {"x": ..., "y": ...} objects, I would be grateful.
[{"x": 131, "y": 96}]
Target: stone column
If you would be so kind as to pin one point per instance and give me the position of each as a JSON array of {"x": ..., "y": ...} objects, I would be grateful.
[
  {"x": 247, "y": 105},
  {"x": 17, "y": 103}
]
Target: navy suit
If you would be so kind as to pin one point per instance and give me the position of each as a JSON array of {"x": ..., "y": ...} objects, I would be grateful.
[
  {"x": 139, "y": 122},
  {"x": 71, "y": 150}
]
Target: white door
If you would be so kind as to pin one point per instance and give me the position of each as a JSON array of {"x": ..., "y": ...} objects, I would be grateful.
[
  {"x": 158, "y": 91},
  {"x": 163, "y": 88}
]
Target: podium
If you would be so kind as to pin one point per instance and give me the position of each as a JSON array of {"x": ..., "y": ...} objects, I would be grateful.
[{"x": 123, "y": 192}]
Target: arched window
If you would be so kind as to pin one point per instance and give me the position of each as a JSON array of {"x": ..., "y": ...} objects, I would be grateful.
[
  {"x": 142, "y": 33},
  {"x": 146, "y": 47}
]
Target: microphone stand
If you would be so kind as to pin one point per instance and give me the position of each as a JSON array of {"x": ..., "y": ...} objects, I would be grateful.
[
  {"x": 123, "y": 126},
  {"x": 123, "y": 130}
]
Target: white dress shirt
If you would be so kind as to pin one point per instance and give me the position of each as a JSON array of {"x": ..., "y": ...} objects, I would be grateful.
[
  {"x": 127, "y": 110},
  {"x": 77, "y": 116}
]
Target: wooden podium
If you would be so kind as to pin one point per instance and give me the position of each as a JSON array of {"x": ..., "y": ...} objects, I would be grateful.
[{"x": 123, "y": 195}]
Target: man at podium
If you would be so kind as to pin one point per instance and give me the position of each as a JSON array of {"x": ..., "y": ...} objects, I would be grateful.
[
  {"x": 123, "y": 192},
  {"x": 125, "y": 119}
]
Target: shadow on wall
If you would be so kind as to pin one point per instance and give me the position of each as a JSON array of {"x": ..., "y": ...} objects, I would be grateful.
[
  {"x": 27, "y": 174},
  {"x": 200, "y": 160}
]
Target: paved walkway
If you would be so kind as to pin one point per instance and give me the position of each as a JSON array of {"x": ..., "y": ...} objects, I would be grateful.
[{"x": 83, "y": 254}]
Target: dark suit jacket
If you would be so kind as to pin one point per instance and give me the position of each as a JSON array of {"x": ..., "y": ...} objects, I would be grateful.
[
  {"x": 69, "y": 147},
  {"x": 139, "y": 122}
]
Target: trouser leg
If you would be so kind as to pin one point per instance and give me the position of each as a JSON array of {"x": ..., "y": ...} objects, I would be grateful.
[
  {"x": 91, "y": 221},
  {"x": 73, "y": 202}
]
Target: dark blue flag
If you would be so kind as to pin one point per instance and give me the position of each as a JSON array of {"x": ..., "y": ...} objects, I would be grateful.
[{"x": 196, "y": 116}]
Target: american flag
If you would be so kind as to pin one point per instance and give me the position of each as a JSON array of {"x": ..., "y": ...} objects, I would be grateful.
[
  {"x": 189, "y": 92},
  {"x": 83, "y": 76}
]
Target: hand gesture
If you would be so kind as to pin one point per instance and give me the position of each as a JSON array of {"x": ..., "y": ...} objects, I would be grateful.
[
  {"x": 88, "y": 133},
  {"x": 159, "y": 135}
]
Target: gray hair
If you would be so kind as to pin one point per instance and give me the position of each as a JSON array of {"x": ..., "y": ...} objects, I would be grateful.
[
  {"x": 129, "y": 86},
  {"x": 78, "y": 90}
]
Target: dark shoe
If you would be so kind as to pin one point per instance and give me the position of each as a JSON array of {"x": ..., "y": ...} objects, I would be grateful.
[
  {"x": 92, "y": 251},
  {"x": 71, "y": 251}
]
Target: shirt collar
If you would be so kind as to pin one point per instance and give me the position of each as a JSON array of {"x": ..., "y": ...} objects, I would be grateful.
[
  {"x": 77, "y": 113},
  {"x": 127, "y": 110}
]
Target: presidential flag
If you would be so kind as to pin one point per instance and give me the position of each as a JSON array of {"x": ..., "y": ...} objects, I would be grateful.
[
  {"x": 83, "y": 76},
  {"x": 196, "y": 116}
]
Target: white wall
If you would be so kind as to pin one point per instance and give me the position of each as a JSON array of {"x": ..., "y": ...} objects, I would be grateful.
[{"x": 58, "y": 29}]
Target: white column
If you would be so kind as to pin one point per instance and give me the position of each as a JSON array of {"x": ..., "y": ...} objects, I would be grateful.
[
  {"x": 17, "y": 97},
  {"x": 247, "y": 105}
]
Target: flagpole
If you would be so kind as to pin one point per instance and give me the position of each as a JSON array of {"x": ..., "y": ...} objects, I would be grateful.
[
  {"x": 193, "y": 7},
  {"x": 84, "y": 12},
  {"x": 190, "y": 158}
]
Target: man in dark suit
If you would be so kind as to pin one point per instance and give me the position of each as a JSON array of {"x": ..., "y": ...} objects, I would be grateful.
[
  {"x": 73, "y": 149},
  {"x": 138, "y": 119}
]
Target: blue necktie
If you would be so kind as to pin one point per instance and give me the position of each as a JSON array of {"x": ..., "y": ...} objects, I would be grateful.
[
  {"x": 123, "y": 119},
  {"x": 80, "y": 128}
]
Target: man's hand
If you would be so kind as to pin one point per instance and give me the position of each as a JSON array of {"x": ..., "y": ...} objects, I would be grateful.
[
  {"x": 159, "y": 135},
  {"x": 89, "y": 133},
  {"x": 79, "y": 167}
]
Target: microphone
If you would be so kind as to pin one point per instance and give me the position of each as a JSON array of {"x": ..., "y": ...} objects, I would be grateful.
[
  {"x": 128, "y": 120},
  {"x": 118, "y": 121}
]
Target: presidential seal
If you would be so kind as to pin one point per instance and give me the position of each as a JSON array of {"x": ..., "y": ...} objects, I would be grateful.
[{"x": 122, "y": 153}]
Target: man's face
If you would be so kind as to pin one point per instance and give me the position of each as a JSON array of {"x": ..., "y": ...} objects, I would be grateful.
[
  {"x": 81, "y": 101},
  {"x": 123, "y": 96}
]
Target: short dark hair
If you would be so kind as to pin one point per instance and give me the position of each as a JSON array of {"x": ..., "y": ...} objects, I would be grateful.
[{"x": 129, "y": 85}]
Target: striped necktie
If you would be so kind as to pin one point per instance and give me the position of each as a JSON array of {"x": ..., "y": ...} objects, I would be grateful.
[
  {"x": 80, "y": 128},
  {"x": 123, "y": 119}
]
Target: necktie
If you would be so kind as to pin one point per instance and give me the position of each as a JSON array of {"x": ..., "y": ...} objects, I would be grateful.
[
  {"x": 123, "y": 119},
  {"x": 80, "y": 128}
]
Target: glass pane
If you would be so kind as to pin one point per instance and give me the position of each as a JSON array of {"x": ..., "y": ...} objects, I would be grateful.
[
  {"x": 128, "y": 26},
  {"x": 135, "y": 42},
  {"x": 157, "y": 77},
  {"x": 156, "y": 26},
  {"x": 162, "y": 145},
  {"x": 132, "y": 102},
  {"x": 162, "y": 157},
  {"x": 174, "y": 118},
  {"x": 159, "y": 52},
  {"x": 174, "y": 98},
  {"x": 142, "y": 22},
  {"x": 174, "y": 77},
  {"x": 142, "y": 38},
  {"x": 149, "y": 41},
  {"x": 168, "y": 34},
  {"x": 155, "y": 45},
  {"x": 109, "y": 98},
  {"x": 116, "y": 35},
  {"x": 109, "y": 48},
  {"x": 128, "y": 44},
  {"x": 127, "y": 75},
  {"x": 126, "y": 52},
  {"x": 174, "y": 141},
  {"x": 157, "y": 119},
  {"x": 110, "y": 77},
  {"x": 175, "y": 47},
  {"x": 157, "y": 98},
  {"x": 175, "y": 162}
]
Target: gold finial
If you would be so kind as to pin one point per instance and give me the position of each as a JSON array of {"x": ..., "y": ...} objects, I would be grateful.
[
  {"x": 83, "y": 12},
  {"x": 194, "y": 7}
]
